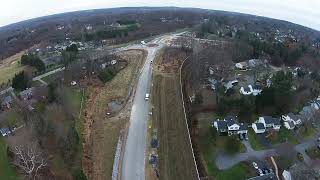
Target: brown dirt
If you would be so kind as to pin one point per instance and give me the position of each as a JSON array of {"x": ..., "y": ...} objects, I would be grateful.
[
  {"x": 175, "y": 155},
  {"x": 101, "y": 132}
]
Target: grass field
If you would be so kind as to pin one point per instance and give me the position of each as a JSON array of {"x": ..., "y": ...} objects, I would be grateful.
[
  {"x": 6, "y": 170},
  {"x": 284, "y": 135},
  {"x": 175, "y": 156},
  {"x": 7, "y": 72},
  {"x": 307, "y": 131},
  {"x": 9, "y": 67},
  {"x": 254, "y": 141},
  {"x": 313, "y": 152}
]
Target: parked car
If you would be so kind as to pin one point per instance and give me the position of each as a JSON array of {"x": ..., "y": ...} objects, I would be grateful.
[
  {"x": 240, "y": 137},
  {"x": 246, "y": 136},
  {"x": 260, "y": 173},
  {"x": 255, "y": 165}
]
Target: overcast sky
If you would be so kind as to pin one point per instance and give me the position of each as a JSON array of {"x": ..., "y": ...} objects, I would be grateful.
[{"x": 304, "y": 12}]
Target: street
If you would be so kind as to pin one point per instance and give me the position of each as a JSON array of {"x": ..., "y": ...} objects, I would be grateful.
[{"x": 134, "y": 156}]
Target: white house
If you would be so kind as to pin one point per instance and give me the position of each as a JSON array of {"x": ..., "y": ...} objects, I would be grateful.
[
  {"x": 316, "y": 104},
  {"x": 228, "y": 85},
  {"x": 270, "y": 122},
  {"x": 290, "y": 121},
  {"x": 113, "y": 62},
  {"x": 242, "y": 65},
  {"x": 230, "y": 125},
  {"x": 254, "y": 90},
  {"x": 258, "y": 128}
]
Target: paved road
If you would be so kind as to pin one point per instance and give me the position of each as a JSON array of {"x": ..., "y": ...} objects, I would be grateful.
[
  {"x": 133, "y": 164},
  {"x": 225, "y": 161},
  {"x": 47, "y": 74}
]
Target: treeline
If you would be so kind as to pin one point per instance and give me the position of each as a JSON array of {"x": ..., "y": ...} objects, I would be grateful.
[
  {"x": 126, "y": 22},
  {"x": 20, "y": 81},
  {"x": 34, "y": 61},
  {"x": 279, "y": 52},
  {"x": 111, "y": 33}
]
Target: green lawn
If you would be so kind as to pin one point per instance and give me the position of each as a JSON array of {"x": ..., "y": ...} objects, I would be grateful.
[
  {"x": 284, "y": 135},
  {"x": 209, "y": 144},
  {"x": 307, "y": 131},
  {"x": 9, "y": 71},
  {"x": 6, "y": 170},
  {"x": 254, "y": 141},
  {"x": 75, "y": 97},
  {"x": 313, "y": 153}
]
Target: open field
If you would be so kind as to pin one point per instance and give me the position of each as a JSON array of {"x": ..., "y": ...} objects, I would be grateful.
[
  {"x": 175, "y": 156},
  {"x": 6, "y": 170},
  {"x": 9, "y": 67},
  {"x": 101, "y": 132}
]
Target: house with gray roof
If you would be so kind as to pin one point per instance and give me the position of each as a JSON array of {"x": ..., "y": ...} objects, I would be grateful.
[
  {"x": 290, "y": 121},
  {"x": 270, "y": 122},
  {"x": 230, "y": 126},
  {"x": 258, "y": 127},
  {"x": 5, "y": 131},
  {"x": 6, "y": 102},
  {"x": 26, "y": 94}
]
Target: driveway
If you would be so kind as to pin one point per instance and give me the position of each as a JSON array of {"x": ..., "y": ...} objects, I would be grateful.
[{"x": 225, "y": 161}]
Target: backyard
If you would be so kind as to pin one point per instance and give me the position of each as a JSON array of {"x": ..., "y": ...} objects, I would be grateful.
[
  {"x": 7, "y": 171},
  {"x": 209, "y": 144}
]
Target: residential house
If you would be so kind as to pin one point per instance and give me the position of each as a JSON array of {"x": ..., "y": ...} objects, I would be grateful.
[
  {"x": 5, "y": 131},
  {"x": 290, "y": 121},
  {"x": 270, "y": 122},
  {"x": 251, "y": 90},
  {"x": 113, "y": 62},
  {"x": 6, "y": 102},
  {"x": 26, "y": 94},
  {"x": 230, "y": 126},
  {"x": 242, "y": 65},
  {"x": 228, "y": 85},
  {"x": 316, "y": 104},
  {"x": 258, "y": 128}
]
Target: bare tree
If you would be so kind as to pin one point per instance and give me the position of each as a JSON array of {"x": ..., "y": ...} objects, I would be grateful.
[{"x": 29, "y": 159}]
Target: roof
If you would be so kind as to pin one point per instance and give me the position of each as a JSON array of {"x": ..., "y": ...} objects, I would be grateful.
[
  {"x": 230, "y": 120},
  {"x": 222, "y": 125},
  {"x": 7, "y": 99},
  {"x": 4, "y": 130},
  {"x": 26, "y": 92},
  {"x": 268, "y": 119},
  {"x": 270, "y": 176},
  {"x": 247, "y": 89},
  {"x": 243, "y": 127},
  {"x": 290, "y": 124},
  {"x": 257, "y": 87},
  {"x": 294, "y": 117},
  {"x": 260, "y": 126}
]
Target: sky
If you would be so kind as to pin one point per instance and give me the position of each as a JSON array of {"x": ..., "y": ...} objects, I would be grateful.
[{"x": 303, "y": 12}]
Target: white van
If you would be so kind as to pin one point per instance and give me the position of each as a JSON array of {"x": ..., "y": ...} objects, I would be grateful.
[{"x": 147, "y": 97}]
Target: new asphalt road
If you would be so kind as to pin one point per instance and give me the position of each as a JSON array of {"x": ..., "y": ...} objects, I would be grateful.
[{"x": 133, "y": 164}]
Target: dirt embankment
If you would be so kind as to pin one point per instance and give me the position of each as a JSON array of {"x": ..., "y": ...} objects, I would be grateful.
[
  {"x": 102, "y": 131},
  {"x": 175, "y": 154}
]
